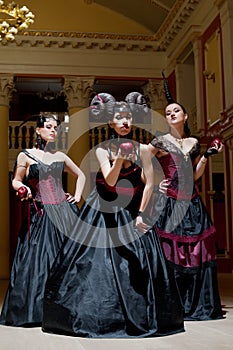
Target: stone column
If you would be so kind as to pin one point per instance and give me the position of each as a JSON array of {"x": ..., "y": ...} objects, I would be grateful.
[
  {"x": 78, "y": 91},
  {"x": 199, "y": 126},
  {"x": 6, "y": 89},
  {"x": 154, "y": 90},
  {"x": 229, "y": 192},
  {"x": 226, "y": 18}
]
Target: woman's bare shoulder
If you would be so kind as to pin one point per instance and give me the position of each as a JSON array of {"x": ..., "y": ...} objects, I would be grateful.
[
  {"x": 21, "y": 156},
  {"x": 193, "y": 139}
]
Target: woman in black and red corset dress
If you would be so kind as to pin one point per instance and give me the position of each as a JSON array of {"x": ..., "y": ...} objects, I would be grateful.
[
  {"x": 37, "y": 178},
  {"x": 110, "y": 279},
  {"x": 186, "y": 231}
]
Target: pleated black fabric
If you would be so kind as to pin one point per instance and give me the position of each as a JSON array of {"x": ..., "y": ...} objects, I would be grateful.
[
  {"x": 109, "y": 280},
  {"x": 187, "y": 234},
  {"x": 37, "y": 247}
]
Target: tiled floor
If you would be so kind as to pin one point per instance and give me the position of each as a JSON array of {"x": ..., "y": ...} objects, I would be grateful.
[{"x": 206, "y": 335}]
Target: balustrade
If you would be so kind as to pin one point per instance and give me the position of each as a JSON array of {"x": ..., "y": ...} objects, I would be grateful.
[{"x": 23, "y": 137}]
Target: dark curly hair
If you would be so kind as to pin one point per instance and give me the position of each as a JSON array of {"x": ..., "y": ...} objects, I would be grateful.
[
  {"x": 41, "y": 119},
  {"x": 103, "y": 105}
]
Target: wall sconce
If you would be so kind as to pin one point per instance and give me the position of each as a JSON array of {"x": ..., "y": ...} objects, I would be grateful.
[
  {"x": 211, "y": 193},
  {"x": 209, "y": 75}
]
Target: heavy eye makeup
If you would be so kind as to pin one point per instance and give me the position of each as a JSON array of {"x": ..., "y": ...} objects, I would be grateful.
[
  {"x": 176, "y": 110},
  {"x": 119, "y": 116},
  {"x": 49, "y": 126}
]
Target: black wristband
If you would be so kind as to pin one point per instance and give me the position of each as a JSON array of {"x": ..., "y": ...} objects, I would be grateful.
[
  {"x": 139, "y": 213},
  {"x": 210, "y": 152}
]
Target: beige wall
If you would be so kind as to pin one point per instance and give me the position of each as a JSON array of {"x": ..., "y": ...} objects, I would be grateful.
[
  {"x": 77, "y": 15},
  {"x": 213, "y": 86}
]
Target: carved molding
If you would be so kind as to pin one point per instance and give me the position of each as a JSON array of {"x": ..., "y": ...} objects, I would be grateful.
[
  {"x": 78, "y": 91},
  {"x": 88, "y": 41},
  {"x": 155, "y": 91},
  {"x": 175, "y": 21},
  {"x": 7, "y": 87}
]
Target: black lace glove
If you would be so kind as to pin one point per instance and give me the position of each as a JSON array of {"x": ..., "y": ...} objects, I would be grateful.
[{"x": 210, "y": 151}]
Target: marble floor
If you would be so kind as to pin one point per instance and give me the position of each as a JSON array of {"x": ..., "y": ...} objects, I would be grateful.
[{"x": 206, "y": 335}]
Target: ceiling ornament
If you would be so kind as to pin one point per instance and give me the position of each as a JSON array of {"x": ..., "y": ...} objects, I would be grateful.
[{"x": 16, "y": 18}]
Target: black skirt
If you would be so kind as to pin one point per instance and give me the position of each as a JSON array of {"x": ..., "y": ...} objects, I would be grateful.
[{"x": 110, "y": 281}]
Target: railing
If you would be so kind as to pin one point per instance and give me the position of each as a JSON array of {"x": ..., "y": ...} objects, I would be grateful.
[
  {"x": 99, "y": 134},
  {"x": 24, "y": 137}
]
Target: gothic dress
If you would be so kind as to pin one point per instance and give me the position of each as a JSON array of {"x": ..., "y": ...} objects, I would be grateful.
[
  {"x": 109, "y": 280},
  {"x": 187, "y": 233},
  {"x": 49, "y": 219}
]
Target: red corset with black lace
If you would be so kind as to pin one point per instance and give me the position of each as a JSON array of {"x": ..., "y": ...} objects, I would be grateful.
[{"x": 45, "y": 182}]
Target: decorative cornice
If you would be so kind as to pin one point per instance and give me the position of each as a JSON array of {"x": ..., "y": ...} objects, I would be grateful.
[
  {"x": 159, "y": 5},
  {"x": 93, "y": 35},
  {"x": 175, "y": 21},
  {"x": 160, "y": 41},
  {"x": 77, "y": 40}
]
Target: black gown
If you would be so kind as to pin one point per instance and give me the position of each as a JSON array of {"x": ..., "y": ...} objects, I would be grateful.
[
  {"x": 109, "y": 280},
  {"x": 50, "y": 216},
  {"x": 187, "y": 233}
]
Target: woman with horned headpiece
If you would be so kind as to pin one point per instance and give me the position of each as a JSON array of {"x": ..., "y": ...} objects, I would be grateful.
[
  {"x": 37, "y": 178},
  {"x": 110, "y": 279},
  {"x": 186, "y": 231}
]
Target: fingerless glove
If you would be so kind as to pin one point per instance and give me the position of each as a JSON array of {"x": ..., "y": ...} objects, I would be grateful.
[{"x": 209, "y": 152}]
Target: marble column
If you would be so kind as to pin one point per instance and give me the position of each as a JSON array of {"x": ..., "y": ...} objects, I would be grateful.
[
  {"x": 6, "y": 89},
  {"x": 78, "y": 91}
]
